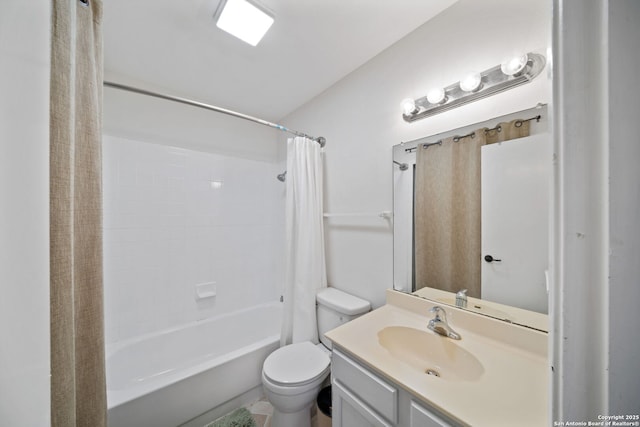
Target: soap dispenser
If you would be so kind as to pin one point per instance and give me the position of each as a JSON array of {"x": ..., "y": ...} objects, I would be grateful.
[{"x": 461, "y": 298}]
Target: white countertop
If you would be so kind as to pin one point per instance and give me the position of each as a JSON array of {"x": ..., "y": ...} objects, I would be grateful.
[{"x": 513, "y": 389}]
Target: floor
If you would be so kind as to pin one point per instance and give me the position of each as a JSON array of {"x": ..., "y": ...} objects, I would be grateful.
[{"x": 262, "y": 411}]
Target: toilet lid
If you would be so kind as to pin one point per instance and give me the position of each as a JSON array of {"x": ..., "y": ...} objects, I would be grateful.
[{"x": 296, "y": 364}]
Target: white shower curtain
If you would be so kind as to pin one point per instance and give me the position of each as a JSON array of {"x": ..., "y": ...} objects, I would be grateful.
[{"x": 304, "y": 257}]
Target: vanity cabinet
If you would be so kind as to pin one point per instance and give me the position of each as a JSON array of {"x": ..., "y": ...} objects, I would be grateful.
[
  {"x": 350, "y": 411},
  {"x": 419, "y": 416},
  {"x": 362, "y": 398}
]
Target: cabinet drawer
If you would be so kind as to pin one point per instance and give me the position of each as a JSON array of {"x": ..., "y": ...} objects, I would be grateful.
[{"x": 367, "y": 386}]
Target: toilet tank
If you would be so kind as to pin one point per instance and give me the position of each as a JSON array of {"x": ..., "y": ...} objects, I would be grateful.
[{"x": 335, "y": 307}]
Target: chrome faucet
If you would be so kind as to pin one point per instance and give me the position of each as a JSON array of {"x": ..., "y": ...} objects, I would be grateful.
[
  {"x": 461, "y": 298},
  {"x": 439, "y": 324}
]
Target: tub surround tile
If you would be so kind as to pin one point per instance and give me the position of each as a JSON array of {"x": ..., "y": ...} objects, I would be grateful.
[{"x": 167, "y": 228}]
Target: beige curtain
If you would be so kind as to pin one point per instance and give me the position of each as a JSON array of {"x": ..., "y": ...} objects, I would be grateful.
[
  {"x": 447, "y": 228},
  {"x": 508, "y": 130},
  {"x": 447, "y": 215},
  {"x": 78, "y": 391}
]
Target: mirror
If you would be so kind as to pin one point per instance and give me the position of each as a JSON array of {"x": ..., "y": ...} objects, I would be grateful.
[{"x": 506, "y": 253}]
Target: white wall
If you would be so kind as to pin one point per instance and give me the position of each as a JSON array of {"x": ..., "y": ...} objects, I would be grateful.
[
  {"x": 158, "y": 121},
  {"x": 579, "y": 342},
  {"x": 361, "y": 118},
  {"x": 595, "y": 350},
  {"x": 167, "y": 228},
  {"x": 624, "y": 294},
  {"x": 24, "y": 213}
]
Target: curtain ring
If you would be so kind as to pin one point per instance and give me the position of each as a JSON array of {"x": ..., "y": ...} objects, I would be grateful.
[
  {"x": 457, "y": 138},
  {"x": 497, "y": 129},
  {"x": 518, "y": 123},
  {"x": 85, "y": 2},
  {"x": 425, "y": 146}
]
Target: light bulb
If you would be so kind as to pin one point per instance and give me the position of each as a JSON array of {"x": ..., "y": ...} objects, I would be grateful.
[
  {"x": 471, "y": 82},
  {"x": 436, "y": 96},
  {"x": 408, "y": 107},
  {"x": 514, "y": 65}
]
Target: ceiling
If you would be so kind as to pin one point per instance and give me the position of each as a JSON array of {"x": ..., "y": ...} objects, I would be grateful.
[{"x": 174, "y": 46}]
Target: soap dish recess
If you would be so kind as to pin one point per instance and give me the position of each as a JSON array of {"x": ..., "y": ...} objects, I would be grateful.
[{"x": 205, "y": 290}]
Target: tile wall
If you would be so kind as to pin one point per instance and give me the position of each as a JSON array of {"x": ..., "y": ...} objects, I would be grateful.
[{"x": 176, "y": 218}]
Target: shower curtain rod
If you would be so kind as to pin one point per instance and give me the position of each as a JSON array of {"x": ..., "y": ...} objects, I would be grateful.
[{"x": 320, "y": 140}]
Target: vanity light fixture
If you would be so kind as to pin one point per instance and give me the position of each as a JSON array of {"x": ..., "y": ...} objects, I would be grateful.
[
  {"x": 513, "y": 72},
  {"x": 437, "y": 96},
  {"x": 515, "y": 65},
  {"x": 408, "y": 106},
  {"x": 471, "y": 82},
  {"x": 244, "y": 19}
]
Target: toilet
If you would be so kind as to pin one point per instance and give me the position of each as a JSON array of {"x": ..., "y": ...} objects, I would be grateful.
[{"x": 292, "y": 375}]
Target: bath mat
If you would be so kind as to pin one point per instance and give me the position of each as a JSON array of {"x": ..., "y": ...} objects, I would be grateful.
[{"x": 238, "y": 418}]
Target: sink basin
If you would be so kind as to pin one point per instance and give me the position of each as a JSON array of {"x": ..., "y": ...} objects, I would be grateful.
[{"x": 430, "y": 353}]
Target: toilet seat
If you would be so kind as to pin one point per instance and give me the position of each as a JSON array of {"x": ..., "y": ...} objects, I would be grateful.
[{"x": 296, "y": 365}]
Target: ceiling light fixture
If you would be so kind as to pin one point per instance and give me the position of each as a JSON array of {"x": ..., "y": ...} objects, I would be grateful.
[
  {"x": 514, "y": 72},
  {"x": 244, "y": 19}
]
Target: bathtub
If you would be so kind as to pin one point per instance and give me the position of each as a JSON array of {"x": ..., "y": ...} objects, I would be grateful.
[{"x": 167, "y": 378}]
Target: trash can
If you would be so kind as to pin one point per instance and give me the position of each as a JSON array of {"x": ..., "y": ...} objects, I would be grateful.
[{"x": 324, "y": 407}]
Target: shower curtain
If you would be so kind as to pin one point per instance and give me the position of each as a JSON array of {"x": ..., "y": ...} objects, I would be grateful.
[
  {"x": 304, "y": 253},
  {"x": 78, "y": 391}
]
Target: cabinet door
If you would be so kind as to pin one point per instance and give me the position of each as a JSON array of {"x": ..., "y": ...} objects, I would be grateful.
[
  {"x": 349, "y": 411},
  {"x": 422, "y": 417},
  {"x": 366, "y": 386}
]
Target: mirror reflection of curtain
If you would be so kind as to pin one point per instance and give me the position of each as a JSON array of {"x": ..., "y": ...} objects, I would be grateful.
[
  {"x": 447, "y": 209},
  {"x": 508, "y": 130}
]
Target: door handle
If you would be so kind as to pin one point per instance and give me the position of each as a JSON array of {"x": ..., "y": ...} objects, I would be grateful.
[{"x": 489, "y": 258}]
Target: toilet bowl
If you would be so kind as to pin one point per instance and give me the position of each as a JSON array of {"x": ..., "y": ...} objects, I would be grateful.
[{"x": 293, "y": 375}]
